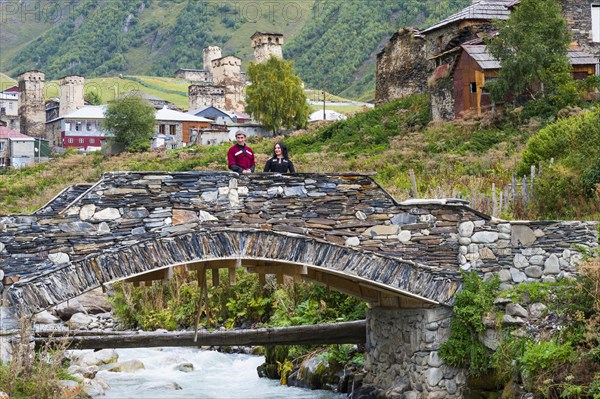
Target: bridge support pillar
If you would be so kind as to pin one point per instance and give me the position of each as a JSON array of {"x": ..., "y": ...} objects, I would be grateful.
[
  {"x": 9, "y": 330},
  {"x": 402, "y": 354}
]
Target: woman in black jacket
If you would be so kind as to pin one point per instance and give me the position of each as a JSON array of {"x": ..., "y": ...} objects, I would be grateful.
[{"x": 280, "y": 163}]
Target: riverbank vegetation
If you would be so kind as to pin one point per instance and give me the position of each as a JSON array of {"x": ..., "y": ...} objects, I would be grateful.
[
  {"x": 557, "y": 355},
  {"x": 34, "y": 374}
]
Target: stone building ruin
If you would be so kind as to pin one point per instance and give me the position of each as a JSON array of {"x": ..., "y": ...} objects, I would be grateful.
[
  {"x": 266, "y": 44},
  {"x": 220, "y": 84},
  {"x": 201, "y": 96},
  {"x": 221, "y": 81},
  {"x": 450, "y": 62}
]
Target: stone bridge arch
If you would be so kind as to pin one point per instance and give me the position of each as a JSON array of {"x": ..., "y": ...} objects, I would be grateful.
[{"x": 377, "y": 279}]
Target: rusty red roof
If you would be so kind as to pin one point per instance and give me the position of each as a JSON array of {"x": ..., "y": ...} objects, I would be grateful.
[{"x": 6, "y": 133}]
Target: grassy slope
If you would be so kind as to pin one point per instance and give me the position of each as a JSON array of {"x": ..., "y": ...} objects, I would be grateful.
[
  {"x": 447, "y": 158},
  {"x": 6, "y": 81}
]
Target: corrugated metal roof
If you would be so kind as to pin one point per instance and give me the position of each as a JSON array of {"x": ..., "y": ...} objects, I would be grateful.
[
  {"x": 482, "y": 10},
  {"x": 480, "y": 54},
  {"x": 166, "y": 114},
  {"x": 578, "y": 57},
  {"x": 486, "y": 61},
  {"x": 86, "y": 112}
]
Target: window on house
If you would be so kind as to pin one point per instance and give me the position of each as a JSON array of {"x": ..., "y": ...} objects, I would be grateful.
[
  {"x": 78, "y": 126},
  {"x": 473, "y": 87},
  {"x": 161, "y": 129},
  {"x": 81, "y": 141},
  {"x": 10, "y": 105},
  {"x": 1, "y": 145},
  {"x": 596, "y": 22},
  {"x": 70, "y": 141},
  {"x": 88, "y": 126},
  {"x": 92, "y": 141},
  {"x": 172, "y": 129},
  {"x": 67, "y": 126}
]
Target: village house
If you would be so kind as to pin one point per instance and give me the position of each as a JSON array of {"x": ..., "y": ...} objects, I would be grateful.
[
  {"x": 80, "y": 129},
  {"x": 9, "y": 107},
  {"x": 181, "y": 126},
  {"x": 450, "y": 62},
  {"x": 16, "y": 149}
]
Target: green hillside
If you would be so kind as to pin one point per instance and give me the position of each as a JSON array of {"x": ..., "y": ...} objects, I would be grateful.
[{"x": 333, "y": 42}]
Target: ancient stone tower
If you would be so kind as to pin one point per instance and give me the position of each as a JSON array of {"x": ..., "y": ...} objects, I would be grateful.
[
  {"x": 71, "y": 94},
  {"x": 227, "y": 73},
  {"x": 31, "y": 103},
  {"x": 267, "y": 44},
  {"x": 210, "y": 53},
  {"x": 205, "y": 96}
]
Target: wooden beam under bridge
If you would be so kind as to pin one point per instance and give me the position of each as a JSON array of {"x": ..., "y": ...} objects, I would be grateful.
[{"x": 352, "y": 332}]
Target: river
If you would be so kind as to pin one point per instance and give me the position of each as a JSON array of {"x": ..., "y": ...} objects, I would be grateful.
[{"x": 215, "y": 375}]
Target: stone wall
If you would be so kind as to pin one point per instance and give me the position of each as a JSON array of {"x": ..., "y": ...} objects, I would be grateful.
[
  {"x": 401, "y": 354},
  {"x": 402, "y": 67},
  {"x": 205, "y": 96},
  {"x": 578, "y": 16}
]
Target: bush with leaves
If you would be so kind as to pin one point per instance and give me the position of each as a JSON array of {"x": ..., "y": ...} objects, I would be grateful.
[{"x": 463, "y": 348}]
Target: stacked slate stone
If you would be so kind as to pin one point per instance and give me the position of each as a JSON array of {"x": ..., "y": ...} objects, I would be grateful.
[{"x": 133, "y": 222}]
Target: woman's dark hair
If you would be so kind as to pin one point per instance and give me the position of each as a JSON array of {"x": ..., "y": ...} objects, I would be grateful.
[{"x": 284, "y": 150}]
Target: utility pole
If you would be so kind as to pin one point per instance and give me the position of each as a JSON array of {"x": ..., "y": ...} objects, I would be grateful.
[{"x": 324, "y": 116}]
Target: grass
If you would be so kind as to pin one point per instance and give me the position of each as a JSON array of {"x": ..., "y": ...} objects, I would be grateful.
[{"x": 6, "y": 81}]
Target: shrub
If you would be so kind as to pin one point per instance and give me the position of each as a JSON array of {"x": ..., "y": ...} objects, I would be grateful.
[{"x": 463, "y": 348}]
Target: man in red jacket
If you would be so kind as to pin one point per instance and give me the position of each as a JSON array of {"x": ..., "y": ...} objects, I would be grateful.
[{"x": 240, "y": 157}]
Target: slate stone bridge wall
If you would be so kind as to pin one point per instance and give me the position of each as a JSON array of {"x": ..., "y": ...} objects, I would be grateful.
[{"x": 130, "y": 223}]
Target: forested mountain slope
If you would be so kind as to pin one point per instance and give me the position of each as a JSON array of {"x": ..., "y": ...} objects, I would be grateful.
[{"x": 332, "y": 41}]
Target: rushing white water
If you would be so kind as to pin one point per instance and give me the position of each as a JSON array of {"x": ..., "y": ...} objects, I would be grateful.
[{"x": 216, "y": 375}]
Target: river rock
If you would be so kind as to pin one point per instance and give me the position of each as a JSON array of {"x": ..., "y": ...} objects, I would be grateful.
[
  {"x": 45, "y": 317},
  {"x": 67, "y": 309},
  {"x": 79, "y": 321},
  {"x": 128, "y": 366},
  {"x": 86, "y": 371},
  {"x": 160, "y": 384},
  {"x": 95, "y": 301},
  {"x": 184, "y": 367},
  {"x": 104, "y": 356},
  {"x": 70, "y": 388},
  {"x": 95, "y": 387}
]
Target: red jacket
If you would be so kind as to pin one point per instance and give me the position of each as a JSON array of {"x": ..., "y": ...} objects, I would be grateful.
[{"x": 240, "y": 158}]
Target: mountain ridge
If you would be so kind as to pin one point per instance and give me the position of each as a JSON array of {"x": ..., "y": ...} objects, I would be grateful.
[{"x": 332, "y": 42}]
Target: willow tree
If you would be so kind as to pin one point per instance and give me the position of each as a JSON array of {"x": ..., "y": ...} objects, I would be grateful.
[
  {"x": 532, "y": 46},
  {"x": 275, "y": 96}
]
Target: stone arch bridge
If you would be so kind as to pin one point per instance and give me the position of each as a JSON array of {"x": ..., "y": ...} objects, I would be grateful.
[{"x": 342, "y": 230}]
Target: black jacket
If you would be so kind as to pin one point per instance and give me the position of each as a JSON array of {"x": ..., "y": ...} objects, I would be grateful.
[{"x": 279, "y": 166}]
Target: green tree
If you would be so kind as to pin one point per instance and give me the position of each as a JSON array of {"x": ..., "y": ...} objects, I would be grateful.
[
  {"x": 93, "y": 98},
  {"x": 132, "y": 121},
  {"x": 276, "y": 97},
  {"x": 531, "y": 46}
]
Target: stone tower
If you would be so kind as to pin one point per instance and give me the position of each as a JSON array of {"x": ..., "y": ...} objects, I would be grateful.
[
  {"x": 205, "y": 96},
  {"x": 227, "y": 73},
  {"x": 31, "y": 103},
  {"x": 71, "y": 94},
  {"x": 210, "y": 53},
  {"x": 267, "y": 44}
]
